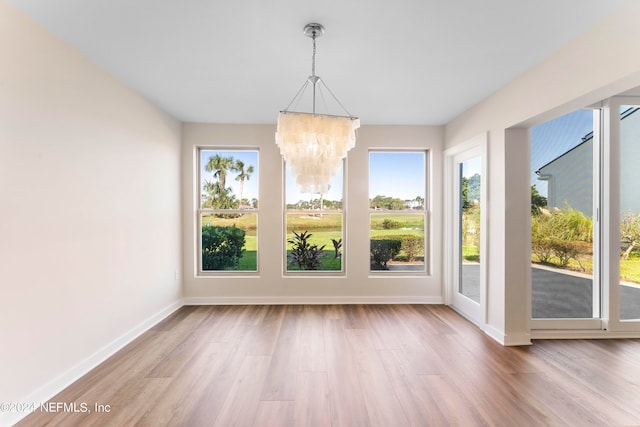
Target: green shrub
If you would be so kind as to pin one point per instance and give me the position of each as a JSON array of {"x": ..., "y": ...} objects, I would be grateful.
[
  {"x": 382, "y": 251},
  {"x": 560, "y": 235},
  {"x": 389, "y": 224},
  {"x": 222, "y": 247},
  {"x": 412, "y": 246},
  {"x": 304, "y": 254}
]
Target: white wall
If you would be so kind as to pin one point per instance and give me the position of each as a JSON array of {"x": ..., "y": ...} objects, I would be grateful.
[
  {"x": 596, "y": 65},
  {"x": 89, "y": 211},
  {"x": 358, "y": 285}
]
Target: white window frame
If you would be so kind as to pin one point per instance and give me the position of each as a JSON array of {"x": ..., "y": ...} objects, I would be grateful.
[
  {"x": 425, "y": 212},
  {"x": 343, "y": 261},
  {"x": 201, "y": 210}
]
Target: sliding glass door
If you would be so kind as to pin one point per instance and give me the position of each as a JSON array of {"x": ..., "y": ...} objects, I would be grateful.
[
  {"x": 625, "y": 291},
  {"x": 565, "y": 200},
  {"x": 585, "y": 219}
]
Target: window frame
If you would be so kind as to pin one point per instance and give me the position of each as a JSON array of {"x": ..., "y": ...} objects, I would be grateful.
[
  {"x": 200, "y": 211},
  {"x": 425, "y": 212},
  {"x": 343, "y": 262}
]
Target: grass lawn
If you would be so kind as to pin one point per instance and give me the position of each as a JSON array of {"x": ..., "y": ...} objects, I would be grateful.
[
  {"x": 630, "y": 268},
  {"x": 327, "y": 262},
  {"x": 470, "y": 253},
  {"x": 247, "y": 222},
  {"x": 411, "y": 221},
  {"x": 249, "y": 259},
  {"x": 313, "y": 222}
]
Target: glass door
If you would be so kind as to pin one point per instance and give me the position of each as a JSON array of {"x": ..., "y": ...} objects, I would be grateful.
[
  {"x": 467, "y": 230},
  {"x": 625, "y": 288},
  {"x": 565, "y": 203}
]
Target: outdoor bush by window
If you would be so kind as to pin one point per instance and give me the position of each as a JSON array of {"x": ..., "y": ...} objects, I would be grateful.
[{"x": 228, "y": 210}]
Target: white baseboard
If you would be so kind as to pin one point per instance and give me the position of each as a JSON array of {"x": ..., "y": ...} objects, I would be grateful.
[
  {"x": 582, "y": 334},
  {"x": 523, "y": 338},
  {"x": 281, "y": 300},
  {"x": 62, "y": 381}
]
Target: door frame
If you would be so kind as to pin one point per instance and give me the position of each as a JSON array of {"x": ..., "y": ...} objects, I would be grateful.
[
  {"x": 611, "y": 218},
  {"x": 474, "y": 147}
]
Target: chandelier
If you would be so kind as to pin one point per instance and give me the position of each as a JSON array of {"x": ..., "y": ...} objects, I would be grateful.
[{"x": 313, "y": 145}]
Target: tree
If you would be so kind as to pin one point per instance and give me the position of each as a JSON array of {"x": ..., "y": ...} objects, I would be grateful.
[
  {"x": 464, "y": 192},
  {"x": 537, "y": 200},
  {"x": 630, "y": 233},
  {"x": 419, "y": 200},
  {"x": 243, "y": 174},
  {"x": 473, "y": 187},
  {"x": 219, "y": 166},
  {"x": 217, "y": 195},
  {"x": 470, "y": 190},
  {"x": 389, "y": 203}
]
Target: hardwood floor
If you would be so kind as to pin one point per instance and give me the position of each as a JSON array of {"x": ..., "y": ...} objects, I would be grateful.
[{"x": 351, "y": 365}]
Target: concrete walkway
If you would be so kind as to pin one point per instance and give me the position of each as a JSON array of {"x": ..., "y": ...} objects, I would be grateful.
[{"x": 561, "y": 295}]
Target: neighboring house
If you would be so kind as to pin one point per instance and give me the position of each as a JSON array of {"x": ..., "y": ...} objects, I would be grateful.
[{"x": 569, "y": 177}]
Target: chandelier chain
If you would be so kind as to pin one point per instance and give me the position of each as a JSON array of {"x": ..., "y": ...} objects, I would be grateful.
[{"x": 313, "y": 56}]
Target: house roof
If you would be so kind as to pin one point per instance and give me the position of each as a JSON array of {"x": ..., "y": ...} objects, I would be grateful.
[{"x": 588, "y": 137}]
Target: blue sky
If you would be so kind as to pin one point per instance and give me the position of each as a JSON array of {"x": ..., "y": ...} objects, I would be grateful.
[
  {"x": 471, "y": 167},
  {"x": 393, "y": 173},
  {"x": 554, "y": 138},
  {"x": 397, "y": 174}
]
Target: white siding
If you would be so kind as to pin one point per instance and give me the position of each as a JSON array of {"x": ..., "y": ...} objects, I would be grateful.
[
  {"x": 570, "y": 179},
  {"x": 570, "y": 176}
]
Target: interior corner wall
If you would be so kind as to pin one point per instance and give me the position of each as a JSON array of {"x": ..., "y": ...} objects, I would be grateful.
[
  {"x": 90, "y": 219},
  {"x": 596, "y": 65},
  {"x": 517, "y": 260},
  {"x": 270, "y": 285}
]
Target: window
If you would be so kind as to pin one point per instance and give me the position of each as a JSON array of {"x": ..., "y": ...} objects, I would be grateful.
[
  {"x": 228, "y": 210},
  {"x": 398, "y": 210},
  {"x": 314, "y": 230}
]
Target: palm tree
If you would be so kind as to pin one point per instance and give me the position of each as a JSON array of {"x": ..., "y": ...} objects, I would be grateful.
[
  {"x": 219, "y": 166},
  {"x": 243, "y": 174}
]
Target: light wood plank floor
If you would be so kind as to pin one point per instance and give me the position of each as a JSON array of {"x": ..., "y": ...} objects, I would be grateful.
[{"x": 351, "y": 365}]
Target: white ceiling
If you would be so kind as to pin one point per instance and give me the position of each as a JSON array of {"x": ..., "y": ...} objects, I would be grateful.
[{"x": 388, "y": 62}]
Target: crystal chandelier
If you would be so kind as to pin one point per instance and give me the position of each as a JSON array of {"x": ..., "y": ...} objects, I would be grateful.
[{"x": 313, "y": 145}]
